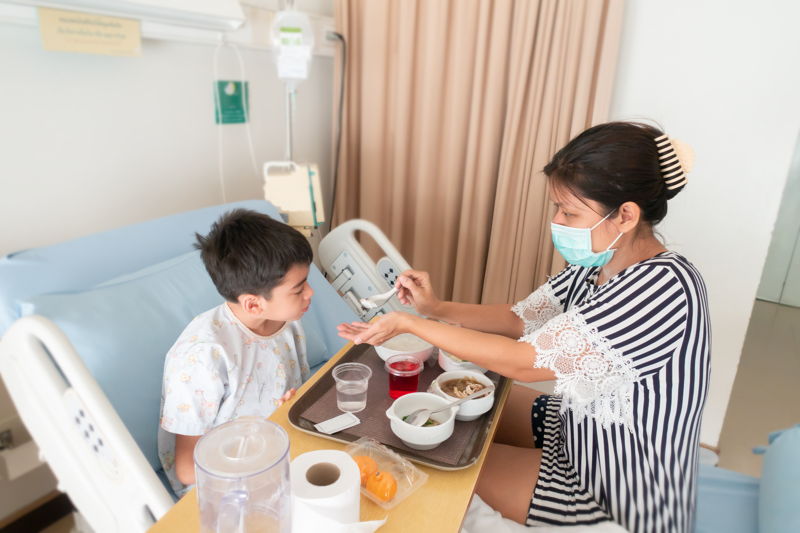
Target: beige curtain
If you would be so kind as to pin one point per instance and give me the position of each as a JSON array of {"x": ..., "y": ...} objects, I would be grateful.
[{"x": 452, "y": 108}]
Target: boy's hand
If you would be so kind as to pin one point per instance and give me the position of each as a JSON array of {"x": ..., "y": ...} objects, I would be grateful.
[{"x": 286, "y": 397}]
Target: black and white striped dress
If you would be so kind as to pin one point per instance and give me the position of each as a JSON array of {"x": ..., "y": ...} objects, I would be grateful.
[{"x": 620, "y": 437}]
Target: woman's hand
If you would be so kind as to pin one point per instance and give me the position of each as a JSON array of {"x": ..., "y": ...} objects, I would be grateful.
[
  {"x": 378, "y": 331},
  {"x": 414, "y": 288}
]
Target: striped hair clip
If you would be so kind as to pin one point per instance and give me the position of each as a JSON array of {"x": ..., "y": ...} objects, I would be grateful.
[{"x": 675, "y": 159}]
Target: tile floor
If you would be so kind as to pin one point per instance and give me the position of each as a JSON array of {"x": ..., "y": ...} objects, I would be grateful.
[{"x": 766, "y": 395}]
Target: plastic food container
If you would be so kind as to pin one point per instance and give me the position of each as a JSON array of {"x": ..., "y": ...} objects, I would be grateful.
[
  {"x": 449, "y": 362},
  {"x": 407, "y": 476}
]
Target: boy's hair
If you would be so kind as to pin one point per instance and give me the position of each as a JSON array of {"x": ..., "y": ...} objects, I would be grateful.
[{"x": 247, "y": 252}]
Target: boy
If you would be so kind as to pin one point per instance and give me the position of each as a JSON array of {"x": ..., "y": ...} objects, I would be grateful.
[{"x": 247, "y": 355}]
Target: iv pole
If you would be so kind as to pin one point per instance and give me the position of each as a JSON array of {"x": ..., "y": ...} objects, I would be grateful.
[
  {"x": 289, "y": 5},
  {"x": 289, "y": 119},
  {"x": 293, "y": 187}
]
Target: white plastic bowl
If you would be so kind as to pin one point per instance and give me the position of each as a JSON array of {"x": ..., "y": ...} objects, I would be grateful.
[
  {"x": 449, "y": 362},
  {"x": 471, "y": 409},
  {"x": 421, "y": 437},
  {"x": 405, "y": 344}
]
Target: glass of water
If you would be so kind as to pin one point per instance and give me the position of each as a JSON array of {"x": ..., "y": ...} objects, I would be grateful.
[{"x": 351, "y": 386}]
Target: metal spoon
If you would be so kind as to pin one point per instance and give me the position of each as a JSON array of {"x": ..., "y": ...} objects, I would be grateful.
[
  {"x": 420, "y": 416},
  {"x": 371, "y": 302}
]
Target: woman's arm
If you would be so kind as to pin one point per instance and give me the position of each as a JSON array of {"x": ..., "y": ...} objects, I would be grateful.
[
  {"x": 414, "y": 288},
  {"x": 488, "y": 318},
  {"x": 500, "y": 354}
]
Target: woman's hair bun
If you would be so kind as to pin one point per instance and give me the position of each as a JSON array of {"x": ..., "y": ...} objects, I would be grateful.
[
  {"x": 675, "y": 160},
  {"x": 620, "y": 162},
  {"x": 685, "y": 154}
]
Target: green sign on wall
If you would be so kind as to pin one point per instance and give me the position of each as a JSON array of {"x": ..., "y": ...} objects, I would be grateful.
[{"x": 231, "y": 102}]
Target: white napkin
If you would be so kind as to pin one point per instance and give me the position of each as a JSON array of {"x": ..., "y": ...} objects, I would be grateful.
[
  {"x": 314, "y": 521},
  {"x": 483, "y": 519}
]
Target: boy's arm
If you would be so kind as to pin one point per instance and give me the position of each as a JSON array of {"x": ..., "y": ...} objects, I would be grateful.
[
  {"x": 184, "y": 458},
  {"x": 190, "y": 389},
  {"x": 184, "y": 449}
]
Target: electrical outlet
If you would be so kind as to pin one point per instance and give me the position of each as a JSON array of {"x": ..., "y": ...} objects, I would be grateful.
[
  {"x": 6, "y": 439},
  {"x": 388, "y": 270}
]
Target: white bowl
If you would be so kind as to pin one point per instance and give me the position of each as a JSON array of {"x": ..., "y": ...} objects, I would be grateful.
[
  {"x": 471, "y": 409},
  {"x": 421, "y": 437},
  {"x": 406, "y": 344},
  {"x": 449, "y": 362}
]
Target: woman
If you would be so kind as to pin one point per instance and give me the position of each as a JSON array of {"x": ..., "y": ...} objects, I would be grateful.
[{"x": 624, "y": 329}]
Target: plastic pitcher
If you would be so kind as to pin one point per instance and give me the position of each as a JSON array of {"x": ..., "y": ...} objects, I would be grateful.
[{"x": 242, "y": 473}]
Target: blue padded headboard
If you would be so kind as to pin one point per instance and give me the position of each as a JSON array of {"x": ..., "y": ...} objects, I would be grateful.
[
  {"x": 144, "y": 276},
  {"x": 87, "y": 261}
]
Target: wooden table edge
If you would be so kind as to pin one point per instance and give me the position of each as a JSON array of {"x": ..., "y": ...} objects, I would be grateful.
[{"x": 184, "y": 515}]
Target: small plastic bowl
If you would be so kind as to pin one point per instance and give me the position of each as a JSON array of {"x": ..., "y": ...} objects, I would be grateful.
[
  {"x": 421, "y": 437},
  {"x": 449, "y": 362},
  {"x": 471, "y": 409},
  {"x": 405, "y": 344}
]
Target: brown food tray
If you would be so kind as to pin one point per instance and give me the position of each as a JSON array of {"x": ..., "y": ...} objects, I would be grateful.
[{"x": 318, "y": 403}]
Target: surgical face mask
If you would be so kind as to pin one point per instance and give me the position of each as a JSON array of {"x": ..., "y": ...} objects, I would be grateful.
[{"x": 575, "y": 245}]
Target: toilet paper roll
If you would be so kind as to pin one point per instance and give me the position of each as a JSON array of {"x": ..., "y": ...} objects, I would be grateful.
[{"x": 326, "y": 494}]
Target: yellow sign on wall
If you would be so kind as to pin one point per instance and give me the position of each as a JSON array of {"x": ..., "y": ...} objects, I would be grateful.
[{"x": 72, "y": 31}]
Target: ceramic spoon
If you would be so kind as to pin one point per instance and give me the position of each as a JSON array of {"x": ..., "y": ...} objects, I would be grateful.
[
  {"x": 420, "y": 416},
  {"x": 371, "y": 302}
]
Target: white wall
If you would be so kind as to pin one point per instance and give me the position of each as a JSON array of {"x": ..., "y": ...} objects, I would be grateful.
[
  {"x": 780, "y": 281},
  {"x": 95, "y": 142},
  {"x": 723, "y": 76},
  {"x": 92, "y": 142},
  {"x": 89, "y": 143}
]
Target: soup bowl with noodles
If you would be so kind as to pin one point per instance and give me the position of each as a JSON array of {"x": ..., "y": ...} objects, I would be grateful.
[{"x": 460, "y": 383}]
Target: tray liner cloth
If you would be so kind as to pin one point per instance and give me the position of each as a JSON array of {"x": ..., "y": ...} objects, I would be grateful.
[{"x": 375, "y": 423}]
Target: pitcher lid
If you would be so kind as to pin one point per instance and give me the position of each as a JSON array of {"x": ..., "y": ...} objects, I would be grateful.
[{"x": 241, "y": 447}]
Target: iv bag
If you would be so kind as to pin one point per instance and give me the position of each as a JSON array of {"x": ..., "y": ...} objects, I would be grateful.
[{"x": 293, "y": 40}]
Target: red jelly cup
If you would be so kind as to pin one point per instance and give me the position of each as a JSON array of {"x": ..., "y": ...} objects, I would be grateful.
[{"x": 404, "y": 373}]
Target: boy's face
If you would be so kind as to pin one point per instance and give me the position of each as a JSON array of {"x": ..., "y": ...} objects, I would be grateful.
[{"x": 289, "y": 300}]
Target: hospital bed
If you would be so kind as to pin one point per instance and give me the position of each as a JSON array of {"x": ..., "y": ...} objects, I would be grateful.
[{"x": 85, "y": 325}]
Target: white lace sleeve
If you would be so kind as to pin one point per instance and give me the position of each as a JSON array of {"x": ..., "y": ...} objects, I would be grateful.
[
  {"x": 594, "y": 378},
  {"x": 539, "y": 307}
]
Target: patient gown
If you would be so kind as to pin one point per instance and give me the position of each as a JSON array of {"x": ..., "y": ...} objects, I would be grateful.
[{"x": 620, "y": 437}]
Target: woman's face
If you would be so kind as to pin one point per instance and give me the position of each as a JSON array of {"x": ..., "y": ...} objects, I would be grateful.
[{"x": 577, "y": 212}]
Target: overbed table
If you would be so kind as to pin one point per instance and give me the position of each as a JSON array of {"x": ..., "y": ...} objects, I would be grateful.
[{"x": 439, "y": 505}]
